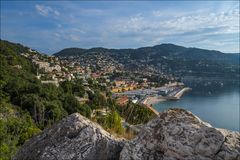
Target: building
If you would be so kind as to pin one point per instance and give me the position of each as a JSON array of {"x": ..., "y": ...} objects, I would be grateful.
[
  {"x": 123, "y": 100},
  {"x": 119, "y": 83}
]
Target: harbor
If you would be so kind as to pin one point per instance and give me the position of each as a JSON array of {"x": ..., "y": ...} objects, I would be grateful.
[
  {"x": 149, "y": 97},
  {"x": 151, "y": 100}
]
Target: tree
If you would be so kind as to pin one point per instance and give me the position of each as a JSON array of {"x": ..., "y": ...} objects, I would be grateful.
[
  {"x": 71, "y": 104},
  {"x": 54, "y": 111},
  {"x": 67, "y": 87},
  {"x": 15, "y": 129},
  {"x": 33, "y": 104},
  {"x": 78, "y": 89}
]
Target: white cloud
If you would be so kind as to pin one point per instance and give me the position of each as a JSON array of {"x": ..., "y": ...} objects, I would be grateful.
[
  {"x": 190, "y": 24},
  {"x": 228, "y": 21},
  {"x": 71, "y": 34},
  {"x": 46, "y": 10},
  {"x": 206, "y": 28}
]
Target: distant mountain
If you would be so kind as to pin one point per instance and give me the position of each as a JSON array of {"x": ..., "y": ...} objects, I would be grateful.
[
  {"x": 170, "y": 59},
  {"x": 70, "y": 52},
  {"x": 156, "y": 52}
]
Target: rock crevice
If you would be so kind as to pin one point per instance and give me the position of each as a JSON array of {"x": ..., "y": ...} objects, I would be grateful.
[
  {"x": 178, "y": 134},
  {"x": 75, "y": 137},
  {"x": 175, "y": 134}
]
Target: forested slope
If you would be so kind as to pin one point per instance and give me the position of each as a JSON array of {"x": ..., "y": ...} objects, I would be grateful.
[{"x": 27, "y": 106}]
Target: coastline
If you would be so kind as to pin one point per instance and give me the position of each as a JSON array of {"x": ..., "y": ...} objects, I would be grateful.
[
  {"x": 152, "y": 109},
  {"x": 151, "y": 100}
]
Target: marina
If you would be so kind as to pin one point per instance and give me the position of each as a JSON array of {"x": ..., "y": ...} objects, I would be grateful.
[
  {"x": 154, "y": 95},
  {"x": 150, "y": 97}
]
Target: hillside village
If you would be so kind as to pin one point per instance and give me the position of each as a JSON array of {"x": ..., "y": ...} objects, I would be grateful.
[
  {"x": 104, "y": 70},
  {"x": 38, "y": 90},
  {"x": 48, "y": 88}
]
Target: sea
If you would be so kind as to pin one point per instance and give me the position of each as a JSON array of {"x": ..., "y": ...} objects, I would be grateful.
[{"x": 219, "y": 108}]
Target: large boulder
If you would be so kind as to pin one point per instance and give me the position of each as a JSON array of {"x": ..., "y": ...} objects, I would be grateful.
[
  {"x": 178, "y": 134},
  {"x": 175, "y": 134},
  {"x": 76, "y": 138}
]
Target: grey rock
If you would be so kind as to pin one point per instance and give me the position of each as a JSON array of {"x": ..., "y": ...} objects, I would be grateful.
[
  {"x": 175, "y": 134},
  {"x": 75, "y": 138},
  {"x": 178, "y": 134}
]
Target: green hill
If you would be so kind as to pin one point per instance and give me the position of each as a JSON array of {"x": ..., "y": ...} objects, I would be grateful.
[
  {"x": 168, "y": 58},
  {"x": 27, "y": 106}
]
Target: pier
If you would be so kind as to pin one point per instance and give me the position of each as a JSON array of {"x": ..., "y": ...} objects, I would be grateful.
[
  {"x": 181, "y": 92},
  {"x": 176, "y": 95},
  {"x": 148, "y": 97}
]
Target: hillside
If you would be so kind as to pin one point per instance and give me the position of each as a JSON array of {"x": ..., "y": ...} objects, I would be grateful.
[
  {"x": 168, "y": 59},
  {"x": 27, "y": 106},
  {"x": 169, "y": 50}
]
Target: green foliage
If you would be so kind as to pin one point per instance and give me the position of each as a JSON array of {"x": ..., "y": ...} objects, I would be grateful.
[
  {"x": 54, "y": 111},
  {"x": 15, "y": 128},
  {"x": 135, "y": 113},
  {"x": 78, "y": 89},
  {"x": 27, "y": 105},
  {"x": 73, "y": 87},
  {"x": 9, "y": 57},
  {"x": 36, "y": 105},
  {"x": 97, "y": 100},
  {"x": 112, "y": 122},
  {"x": 71, "y": 105},
  {"x": 67, "y": 87},
  {"x": 85, "y": 110}
]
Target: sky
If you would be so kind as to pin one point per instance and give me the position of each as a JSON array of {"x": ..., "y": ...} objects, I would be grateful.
[{"x": 49, "y": 26}]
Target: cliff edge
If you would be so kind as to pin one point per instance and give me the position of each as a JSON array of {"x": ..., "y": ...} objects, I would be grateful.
[
  {"x": 175, "y": 134},
  {"x": 178, "y": 134},
  {"x": 75, "y": 137}
]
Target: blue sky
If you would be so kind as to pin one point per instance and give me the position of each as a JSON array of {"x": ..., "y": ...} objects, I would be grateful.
[{"x": 50, "y": 26}]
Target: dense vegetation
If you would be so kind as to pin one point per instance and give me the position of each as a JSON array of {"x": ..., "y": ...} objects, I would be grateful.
[
  {"x": 27, "y": 106},
  {"x": 135, "y": 113},
  {"x": 16, "y": 126}
]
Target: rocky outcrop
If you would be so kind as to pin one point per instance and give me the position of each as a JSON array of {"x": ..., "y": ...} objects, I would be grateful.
[
  {"x": 178, "y": 134},
  {"x": 73, "y": 138},
  {"x": 175, "y": 134}
]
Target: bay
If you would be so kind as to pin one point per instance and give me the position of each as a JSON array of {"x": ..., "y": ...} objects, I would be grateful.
[{"x": 220, "y": 109}]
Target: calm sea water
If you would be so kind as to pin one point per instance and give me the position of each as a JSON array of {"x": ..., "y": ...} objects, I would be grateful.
[{"x": 220, "y": 109}]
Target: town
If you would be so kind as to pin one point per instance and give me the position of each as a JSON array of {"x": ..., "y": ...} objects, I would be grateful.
[{"x": 125, "y": 85}]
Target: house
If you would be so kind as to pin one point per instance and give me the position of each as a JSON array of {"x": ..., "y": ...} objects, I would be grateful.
[
  {"x": 119, "y": 83},
  {"x": 115, "y": 90},
  {"x": 123, "y": 100}
]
